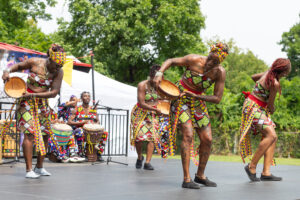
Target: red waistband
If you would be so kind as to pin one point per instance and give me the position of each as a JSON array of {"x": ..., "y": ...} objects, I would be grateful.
[
  {"x": 189, "y": 89},
  {"x": 253, "y": 98},
  {"x": 30, "y": 91}
]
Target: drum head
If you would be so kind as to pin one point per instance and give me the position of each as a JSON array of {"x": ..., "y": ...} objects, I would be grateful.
[
  {"x": 164, "y": 107},
  {"x": 169, "y": 89},
  {"x": 93, "y": 127},
  {"x": 62, "y": 127},
  {"x": 15, "y": 87}
]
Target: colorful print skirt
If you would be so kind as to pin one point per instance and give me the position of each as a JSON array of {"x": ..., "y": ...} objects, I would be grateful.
[
  {"x": 254, "y": 118},
  {"x": 33, "y": 115},
  {"x": 144, "y": 126},
  {"x": 187, "y": 110}
]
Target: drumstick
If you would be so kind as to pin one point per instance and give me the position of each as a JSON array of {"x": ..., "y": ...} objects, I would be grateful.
[{"x": 95, "y": 106}]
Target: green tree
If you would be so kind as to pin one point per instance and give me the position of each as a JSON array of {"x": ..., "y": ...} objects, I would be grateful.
[
  {"x": 291, "y": 45},
  {"x": 128, "y": 36},
  {"x": 18, "y": 22}
]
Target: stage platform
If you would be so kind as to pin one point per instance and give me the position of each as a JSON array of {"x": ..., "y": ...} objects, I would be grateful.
[{"x": 118, "y": 182}]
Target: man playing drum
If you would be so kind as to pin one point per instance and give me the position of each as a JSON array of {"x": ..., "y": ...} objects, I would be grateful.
[
  {"x": 189, "y": 111},
  {"x": 82, "y": 115},
  {"x": 44, "y": 81}
]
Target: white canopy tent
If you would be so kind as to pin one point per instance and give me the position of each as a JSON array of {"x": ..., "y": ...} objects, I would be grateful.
[{"x": 109, "y": 92}]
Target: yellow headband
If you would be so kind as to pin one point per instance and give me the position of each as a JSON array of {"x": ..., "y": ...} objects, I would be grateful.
[
  {"x": 219, "y": 49},
  {"x": 58, "y": 57}
]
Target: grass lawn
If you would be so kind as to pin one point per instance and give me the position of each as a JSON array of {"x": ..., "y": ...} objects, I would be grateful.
[{"x": 236, "y": 158}]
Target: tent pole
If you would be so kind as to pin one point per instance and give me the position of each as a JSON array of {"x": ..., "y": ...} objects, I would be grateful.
[{"x": 93, "y": 81}]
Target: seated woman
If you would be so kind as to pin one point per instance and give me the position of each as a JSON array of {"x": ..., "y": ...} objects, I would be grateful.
[
  {"x": 257, "y": 109},
  {"x": 65, "y": 109},
  {"x": 145, "y": 120}
]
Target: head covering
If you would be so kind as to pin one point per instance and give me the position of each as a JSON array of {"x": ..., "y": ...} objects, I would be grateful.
[
  {"x": 220, "y": 49},
  {"x": 58, "y": 57}
]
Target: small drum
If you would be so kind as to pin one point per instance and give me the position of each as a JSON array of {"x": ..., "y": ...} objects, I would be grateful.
[
  {"x": 10, "y": 147},
  {"x": 62, "y": 133},
  {"x": 15, "y": 87},
  {"x": 93, "y": 134},
  {"x": 168, "y": 90},
  {"x": 164, "y": 107}
]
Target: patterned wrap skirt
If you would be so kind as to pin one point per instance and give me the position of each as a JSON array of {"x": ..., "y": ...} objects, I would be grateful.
[
  {"x": 254, "y": 118},
  {"x": 144, "y": 126},
  {"x": 187, "y": 110},
  {"x": 33, "y": 115}
]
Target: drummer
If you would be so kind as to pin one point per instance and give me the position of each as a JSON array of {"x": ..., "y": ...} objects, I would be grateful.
[
  {"x": 85, "y": 114},
  {"x": 189, "y": 112},
  {"x": 44, "y": 81},
  {"x": 145, "y": 121}
]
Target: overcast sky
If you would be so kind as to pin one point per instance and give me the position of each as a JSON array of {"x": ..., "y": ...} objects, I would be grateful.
[{"x": 256, "y": 25}]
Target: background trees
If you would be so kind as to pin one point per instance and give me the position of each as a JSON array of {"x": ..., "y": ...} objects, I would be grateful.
[
  {"x": 18, "y": 23},
  {"x": 291, "y": 45},
  {"x": 128, "y": 36}
]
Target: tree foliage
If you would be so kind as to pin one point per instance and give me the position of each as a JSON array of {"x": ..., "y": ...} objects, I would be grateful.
[
  {"x": 128, "y": 36},
  {"x": 18, "y": 22},
  {"x": 291, "y": 45}
]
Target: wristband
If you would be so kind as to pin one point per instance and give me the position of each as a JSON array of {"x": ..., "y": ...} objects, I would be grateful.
[{"x": 159, "y": 73}]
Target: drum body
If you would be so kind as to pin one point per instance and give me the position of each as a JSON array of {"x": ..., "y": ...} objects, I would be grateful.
[
  {"x": 168, "y": 90},
  {"x": 62, "y": 133},
  {"x": 93, "y": 134}
]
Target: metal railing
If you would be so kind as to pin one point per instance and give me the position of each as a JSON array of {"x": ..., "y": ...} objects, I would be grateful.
[{"x": 115, "y": 122}]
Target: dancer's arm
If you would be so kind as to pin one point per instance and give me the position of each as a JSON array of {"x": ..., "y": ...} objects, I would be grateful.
[
  {"x": 256, "y": 77},
  {"x": 186, "y": 61},
  {"x": 272, "y": 96},
  {"x": 27, "y": 64}
]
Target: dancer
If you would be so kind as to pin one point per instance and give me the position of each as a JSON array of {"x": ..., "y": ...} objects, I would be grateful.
[
  {"x": 144, "y": 120},
  {"x": 258, "y": 107},
  {"x": 85, "y": 114},
  {"x": 44, "y": 81},
  {"x": 189, "y": 112}
]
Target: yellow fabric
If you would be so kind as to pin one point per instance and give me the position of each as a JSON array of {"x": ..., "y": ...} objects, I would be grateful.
[{"x": 68, "y": 68}]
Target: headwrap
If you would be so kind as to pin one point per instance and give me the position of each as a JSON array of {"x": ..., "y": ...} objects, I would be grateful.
[
  {"x": 58, "y": 57},
  {"x": 220, "y": 49}
]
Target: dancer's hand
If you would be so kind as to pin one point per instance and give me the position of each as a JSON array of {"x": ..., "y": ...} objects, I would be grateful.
[
  {"x": 188, "y": 93},
  {"x": 5, "y": 76},
  {"x": 27, "y": 95}
]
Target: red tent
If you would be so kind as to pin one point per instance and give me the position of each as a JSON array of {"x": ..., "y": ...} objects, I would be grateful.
[{"x": 77, "y": 65}]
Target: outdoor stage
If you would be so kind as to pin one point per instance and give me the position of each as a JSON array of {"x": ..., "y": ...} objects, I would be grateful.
[{"x": 115, "y": 181}]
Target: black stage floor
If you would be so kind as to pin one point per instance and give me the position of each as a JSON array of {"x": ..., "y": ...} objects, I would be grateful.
[{"x": 115, "y": 181}]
